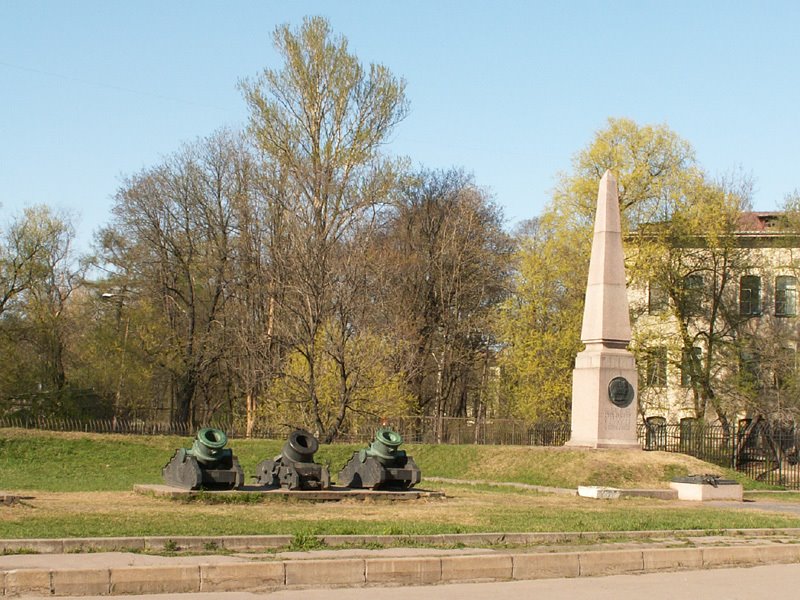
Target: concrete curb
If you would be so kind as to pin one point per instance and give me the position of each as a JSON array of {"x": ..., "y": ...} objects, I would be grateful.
[
  {"x": 246, "y": 543},
  {"x": 287, "y": 574}
]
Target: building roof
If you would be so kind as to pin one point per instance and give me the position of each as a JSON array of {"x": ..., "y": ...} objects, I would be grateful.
[{"x": 759, "y": 221}]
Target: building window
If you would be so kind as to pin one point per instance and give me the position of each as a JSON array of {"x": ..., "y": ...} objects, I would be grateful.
[
  {"x": 692, "y": 297},
  {"x": 656, "y": 298},
  {"x": 750, "y": 370},
  {"x": 690, "y": 364},
  {"x": 656, "y": 367},
  {"x": 786, "y": 296},
  {"x": 750, "y": 295}
]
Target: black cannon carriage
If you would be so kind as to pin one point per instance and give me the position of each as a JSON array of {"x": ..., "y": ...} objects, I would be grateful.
[
  {"x": 206, "y": 465},
  {"x": 294, "y": 468},
  {"x": 381, "y": 465}
]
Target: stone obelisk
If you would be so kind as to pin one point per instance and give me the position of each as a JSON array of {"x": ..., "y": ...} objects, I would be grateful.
[{"x": 604, "y": 381}]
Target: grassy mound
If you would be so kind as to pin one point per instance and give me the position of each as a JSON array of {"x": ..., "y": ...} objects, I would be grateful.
[
  {"x": 80, "y": 486},
  {"x": 565, "y": 467},
  {"x": 54, "y": 461}
]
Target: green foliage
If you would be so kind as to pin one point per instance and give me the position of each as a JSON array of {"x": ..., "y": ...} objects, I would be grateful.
[
  {"x": 376, "y": 391},
  {"x": 651, "y": 163},
  {"x": 677, "y": 224},
  {"x": 303, "y": 542},
  {"x": 541, "y": 322},
  {"x": 323, "y": 106},
  {"x": 38, "y": 275}
]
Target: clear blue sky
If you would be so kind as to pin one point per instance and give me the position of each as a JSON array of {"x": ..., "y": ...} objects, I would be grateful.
[{"x": 509, "y": 90}]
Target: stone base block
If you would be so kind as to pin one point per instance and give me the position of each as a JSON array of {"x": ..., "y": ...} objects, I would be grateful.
[
  {"x": 155, "y": 580},
  {"x": 699, "y": 492},
  {"x": 326, "y": 572},
  {"x": 546, "y": 566},
  {"x": 404, "y": 571},
  {"x": 613, "y": 562},
  {"x": 476, "y": 568},
  {"x": 596, "y": 491},
  {"x": 27, "y": 582},
  {"x": 609, "y": 493}
]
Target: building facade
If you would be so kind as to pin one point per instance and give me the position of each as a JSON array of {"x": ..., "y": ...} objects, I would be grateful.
[{"x": 716, "y": 338}]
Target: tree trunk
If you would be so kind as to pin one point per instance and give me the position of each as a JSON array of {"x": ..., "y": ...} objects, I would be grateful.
[
  {"x": 250, "y": 408},
  {"x": 183, "y": 401}
]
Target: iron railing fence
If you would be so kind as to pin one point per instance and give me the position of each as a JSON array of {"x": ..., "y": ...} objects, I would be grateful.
[
  {"x": 707, "y": 442},
  {"x": 767, "y": 452},
  {"x": 414, "y": 429}
]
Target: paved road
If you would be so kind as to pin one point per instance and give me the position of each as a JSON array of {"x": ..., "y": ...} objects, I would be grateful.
[{"x": 778, "y": 582}]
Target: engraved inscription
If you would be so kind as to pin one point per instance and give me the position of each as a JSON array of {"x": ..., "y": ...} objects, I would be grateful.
[{"x": 617, "y": 420}]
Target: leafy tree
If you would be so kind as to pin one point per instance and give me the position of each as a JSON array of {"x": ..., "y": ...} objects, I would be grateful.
[
  {"x": 25, "y": 248},
  {"x": 696, "y": 260},
  {"x": 40, "y": 277},
  {"x": 652, "y": 165},
  {"x": 319, "y": 123},
  {"x": 108, "y": 356},
  {"x": 540, "y": 323},
  {"x": 677, "y": 222},
  {"x": 373, "y": 389}
]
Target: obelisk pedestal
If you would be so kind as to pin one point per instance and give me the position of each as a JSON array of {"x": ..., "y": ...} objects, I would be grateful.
[{"x": 604, "y": 381}]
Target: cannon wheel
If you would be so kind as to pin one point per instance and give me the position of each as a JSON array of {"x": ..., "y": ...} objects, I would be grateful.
[
  {"x": 182, "y": 471},
  {"x": 239, "y": 482},
  {"x": 288, "y": 478},
  {"x": 265, "y": 473},
  {"x": 358, "y": 473}
]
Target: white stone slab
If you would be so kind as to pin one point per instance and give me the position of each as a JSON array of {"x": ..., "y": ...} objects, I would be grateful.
[
  {"x": 596, "y": 491},
  {"x": 699, "y": 492}
]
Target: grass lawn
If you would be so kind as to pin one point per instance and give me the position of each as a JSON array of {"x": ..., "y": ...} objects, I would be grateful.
[{"x": 80, "y": 484}]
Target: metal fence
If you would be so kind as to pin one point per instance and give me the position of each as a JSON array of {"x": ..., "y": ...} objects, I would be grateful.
[
  {"x": 766, "y": 452},
  {"x": 414, "y": 429}
]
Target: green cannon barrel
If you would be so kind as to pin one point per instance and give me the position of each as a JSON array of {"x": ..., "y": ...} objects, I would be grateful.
[
  {"x": 208, "y": 464},
  {"x": 209, "y": 445},
  {"x": 381, "y": 465},
  {"x": 384, "y": 448}
]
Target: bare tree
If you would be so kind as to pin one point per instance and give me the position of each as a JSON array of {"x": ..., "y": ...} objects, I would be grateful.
[
  {"x": 170, "y": 244},
  {"x": 446, "y": 265}
]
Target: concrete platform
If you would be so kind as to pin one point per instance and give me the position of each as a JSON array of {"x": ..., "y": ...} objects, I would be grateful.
[{"x": 333, "y": 494}]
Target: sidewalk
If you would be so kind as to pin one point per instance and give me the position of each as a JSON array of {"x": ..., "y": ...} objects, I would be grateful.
[{"x": 527, "y": 557}]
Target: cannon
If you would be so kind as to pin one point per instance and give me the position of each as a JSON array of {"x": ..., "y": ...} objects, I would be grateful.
[
  {"x": 294, "y": 468},
  {"x": 381, "y": 465},
  {"x": 208, "y": 464}
]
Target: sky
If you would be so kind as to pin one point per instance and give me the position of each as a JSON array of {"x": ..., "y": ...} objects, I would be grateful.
[{"x": 509, "y": 91}]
